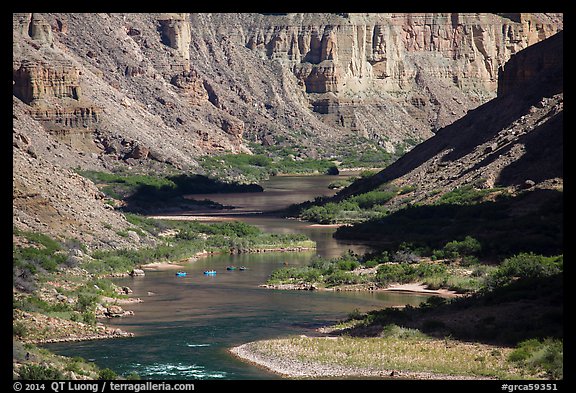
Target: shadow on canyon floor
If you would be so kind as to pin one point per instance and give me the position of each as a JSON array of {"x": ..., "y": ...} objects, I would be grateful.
[
  {"x": 525, "y": 309},
  {"x": 529, "y": 222}
]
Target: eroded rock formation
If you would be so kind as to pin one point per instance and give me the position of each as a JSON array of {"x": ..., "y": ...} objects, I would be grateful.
[
  {"x": 176, "y": 32},
  {"x": 514, "y": 140},
  {"x": 369, "y": 55},
  {"x": 156, "y": 91},
  {"x": 34, "y": 81}
]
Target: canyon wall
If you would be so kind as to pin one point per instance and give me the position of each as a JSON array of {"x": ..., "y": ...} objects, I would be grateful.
[
  {"x": 155, "y": 92},
  {"x": 425, "y": 60},
  {"x": 514, "y": 140},
  {"x": 210, "y": 82}
]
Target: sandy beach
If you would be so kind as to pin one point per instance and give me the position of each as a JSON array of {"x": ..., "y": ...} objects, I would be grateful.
[
  {"x": 421, "y": 288},
  {"x": 409, "y": 287}
]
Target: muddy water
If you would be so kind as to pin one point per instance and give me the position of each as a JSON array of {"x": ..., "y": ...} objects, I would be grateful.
[{"x": 185, "y": 325}]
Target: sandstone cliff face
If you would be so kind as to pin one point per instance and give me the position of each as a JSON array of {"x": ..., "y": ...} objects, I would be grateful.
[
  {"x": 514, "y": 140},
  {"x": 156, "y": 91},
  {"x": 385, "y": 56},
  {"x": 176, "y": 33},
  {"x": 35, "y": 81},
  {"x": 388, "y": 49},
  {"x": 213, "y": 80}
]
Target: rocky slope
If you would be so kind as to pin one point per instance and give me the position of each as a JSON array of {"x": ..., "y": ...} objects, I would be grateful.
[
  {"x": 514, "y": 140},
  {"x": 207, "y": 82},
  {"x": 505, "y": 158},
  {"x": 156, "y": 91}
]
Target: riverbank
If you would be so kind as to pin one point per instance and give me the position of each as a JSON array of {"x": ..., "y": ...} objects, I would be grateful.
[
  {"x": 418, "y": 287},
  {"x": 180, "y": 217},
  {"x": 305, "y": 357},
  {"x": 415, "y": 287},
  {"x": 43, "y": 329}
]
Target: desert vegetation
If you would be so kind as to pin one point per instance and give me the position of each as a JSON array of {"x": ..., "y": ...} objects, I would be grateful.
[{"x": 508, "y": 326}]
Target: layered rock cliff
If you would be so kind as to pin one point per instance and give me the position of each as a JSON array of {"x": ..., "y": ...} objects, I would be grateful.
[
  {"x": 514, "y": 141},
  {"x": 435, "y": 65},
  {"x": 212, "y": 81},
  {"x": 157, "y": 91}
]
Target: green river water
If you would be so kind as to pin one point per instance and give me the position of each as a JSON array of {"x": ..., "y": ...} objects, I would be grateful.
[{"x": 185, "y": 325}]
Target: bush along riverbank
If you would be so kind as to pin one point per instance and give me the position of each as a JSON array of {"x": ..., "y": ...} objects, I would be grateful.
[
  {"x": 454, "y": 267},
  {"x": 507, "y": 325},
  {"x": 291, "y": 158},
  {"x": 148, "y": 193},
  {"x": 62, "y": 290}
]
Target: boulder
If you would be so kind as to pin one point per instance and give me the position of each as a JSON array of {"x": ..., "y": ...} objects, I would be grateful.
[
  {"x": 528, "y": 184},
  {"x": 137, "y": 272},
  {"x": 138, "y": 152},
  {"x": 114, "y": 311}
]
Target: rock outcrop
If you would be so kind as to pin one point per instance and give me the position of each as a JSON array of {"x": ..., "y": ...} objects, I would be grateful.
[
  {"x": 514, "y": 140},
  {"x": 176, "y": 33},
  {"x": 35, "y": 81},
  {"x": 155, "y": 92},
  {"x": 371, "y": 55}
]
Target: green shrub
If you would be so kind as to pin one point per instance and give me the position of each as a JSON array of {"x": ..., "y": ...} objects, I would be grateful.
[
  {"x": 546, "y": 356},
  {"x": 89, "y": 317},
  {"x": 468, "y": 246},
  {"x": 19, "y": 329},
  {"x": 459, "y": 249},
  {"x": 347, "y": 264},
  {"x": 39, "y": 372},
  {"x": 298, "y": 274},
  {"x": 395, "y": 331},
  {"x": 369, "y": 199},
  {"x": 107, "y": 374},
  {"x": 44, "y": 254},
  {"x": 371, "y": 263},
  {"x": 341, "y": 277},
  {"x": 394, "y": 272},
  {"x": 465, "y": 195},
  {"x": 407, "y": 272},
  {"x": 86, "y": 301},
  {"x": 525, "y": 266},
  {"x": 75, "y": 365}
]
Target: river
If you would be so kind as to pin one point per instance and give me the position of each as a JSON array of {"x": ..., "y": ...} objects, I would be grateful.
[{"x": 185, "y": 325}]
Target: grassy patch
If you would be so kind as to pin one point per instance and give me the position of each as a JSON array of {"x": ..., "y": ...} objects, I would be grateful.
[
  {"x": 145, "y": 192},
  {"x": 398, "y": 349},
  {"x": 258, "y": 167}
]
